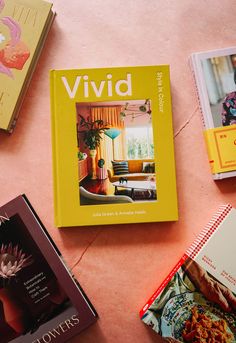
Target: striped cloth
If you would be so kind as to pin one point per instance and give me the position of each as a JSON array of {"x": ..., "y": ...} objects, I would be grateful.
[{"x": 120, "y": 167}]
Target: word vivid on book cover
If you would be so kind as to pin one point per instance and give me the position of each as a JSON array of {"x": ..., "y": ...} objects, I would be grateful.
[
  {"x": 197, "y": 300},
  {"x": 24, "y": 26},
  {"x": 112, "y": 143},
  {"x": 41, "y": 301}
]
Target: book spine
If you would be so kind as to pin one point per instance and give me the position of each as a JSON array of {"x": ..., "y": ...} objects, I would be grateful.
[
  {"x": 192, "y": 251},
  {"x": 31, "y": 70},
  {"x": 54, "y": 148},
  {"x": 208, "y": 231},
  {"x": 210, "y": 154}
]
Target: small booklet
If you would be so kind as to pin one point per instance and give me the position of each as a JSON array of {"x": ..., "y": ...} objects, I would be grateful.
[
  {"x": 197, "y": 300},
  {"x": 40, "y": 300},
  {"x": 24, "y": 26},
  {"x": 113, "y": 151},
  {"x": 215, "y": 76}
]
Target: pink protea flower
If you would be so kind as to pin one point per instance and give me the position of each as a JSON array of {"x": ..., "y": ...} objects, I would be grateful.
[{"x": 12, "y": 260}]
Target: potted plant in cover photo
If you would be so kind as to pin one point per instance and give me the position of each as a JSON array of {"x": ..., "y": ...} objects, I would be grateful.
[
  {"x": 91, "y": 132},
  {"x": 101, "y": 170}
]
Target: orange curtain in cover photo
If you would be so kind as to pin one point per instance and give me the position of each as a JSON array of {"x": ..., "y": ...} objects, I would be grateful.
[{"x": 110, "y": 149}]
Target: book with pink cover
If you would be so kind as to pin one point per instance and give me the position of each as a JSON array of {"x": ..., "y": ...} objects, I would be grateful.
[
  {"x": 197, "y": 300},
  {"x": 40, "y": 300}
]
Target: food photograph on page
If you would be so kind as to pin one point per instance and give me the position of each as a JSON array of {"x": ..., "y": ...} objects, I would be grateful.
[
  {"x": 116, "y": 152},
  {"x": 194, "y": 307},
  {"x": 31, "y": 299}
]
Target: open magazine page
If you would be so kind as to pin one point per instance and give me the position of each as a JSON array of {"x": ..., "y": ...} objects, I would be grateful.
[{"x": 194, "y": 306}]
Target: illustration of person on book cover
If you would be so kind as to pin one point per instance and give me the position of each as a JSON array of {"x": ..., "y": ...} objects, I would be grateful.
[
  {"x": 30, "y": 294},
  {"x": 194, "y": 307},
  {"x": 13, "y": 51}
]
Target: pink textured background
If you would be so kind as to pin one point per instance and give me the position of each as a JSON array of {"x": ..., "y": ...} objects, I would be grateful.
[{"x": 121, "y": 266}]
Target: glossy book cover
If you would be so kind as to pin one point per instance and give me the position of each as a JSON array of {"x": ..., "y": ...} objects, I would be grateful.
[
  {"x": 215, "y": 77},
  {"x": 23, "y": 28},
  {"x": 197, "y": 300},
  {"x": 113, "y": 152},
  {"x": 40, "y": 301}
]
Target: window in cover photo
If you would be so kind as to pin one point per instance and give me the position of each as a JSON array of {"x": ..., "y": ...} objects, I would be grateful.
[
  {"x": 115, "y": 152},
  {"x": 220, "y": 78},
  {"x": 31, "y": 297}
]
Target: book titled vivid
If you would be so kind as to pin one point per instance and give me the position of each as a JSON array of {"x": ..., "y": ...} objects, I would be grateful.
[
  {"x": 197, "y": 300},
  {"x": 24, "y": 26},
  {"x": 40, "y": 300},
  {"x": 113, "y": 148},
  {"x": 215, "y": 75}
]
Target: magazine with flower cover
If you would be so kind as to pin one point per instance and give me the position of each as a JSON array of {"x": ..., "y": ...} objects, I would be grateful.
[
  {"x": 113, "y": 151},
  {"x": 40, "y": 300},
  {"x": 215, "y": 77},
  {"x": 197, "y": 300}
]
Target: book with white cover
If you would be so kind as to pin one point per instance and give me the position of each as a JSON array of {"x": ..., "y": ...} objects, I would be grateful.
[
  {"x": 215, "y": 77},
  {"x": 197, "y": 300}
]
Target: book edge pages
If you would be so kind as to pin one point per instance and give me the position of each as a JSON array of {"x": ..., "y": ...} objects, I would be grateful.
[{"x": 30, "y": 73}]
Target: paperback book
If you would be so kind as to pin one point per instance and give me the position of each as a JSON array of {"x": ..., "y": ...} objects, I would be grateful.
[
  {"x": 197, "y": 300},
  {"x": 113, "y": 153},
  {"x": 24, "y": 26},
  {"x": 40, "y": 300},
  {"x": 215, "y": 76}
]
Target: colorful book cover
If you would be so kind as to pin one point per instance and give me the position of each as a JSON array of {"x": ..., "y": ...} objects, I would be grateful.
[
  {"x": 23, "y": 28},
  {"x": 113, "y": 154},
  {"x": 197, "y": 301},
  {"x": 215, "y": 76},
  {"x": 40, "y": 300}
]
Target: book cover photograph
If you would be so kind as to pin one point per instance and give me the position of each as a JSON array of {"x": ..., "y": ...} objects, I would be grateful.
[
  {"x": 40, "y": 301},
  {"x": 112, "y": 146},
  {"x": 197, "y": 301},
  {"x": 23, "y": 28},
  {"x": 215, "y": 76}
]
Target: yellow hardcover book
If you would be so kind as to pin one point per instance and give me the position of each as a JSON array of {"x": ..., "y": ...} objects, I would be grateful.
[
  {"x": 24, "y": 25},
  {"x": 113, "y": 152}
]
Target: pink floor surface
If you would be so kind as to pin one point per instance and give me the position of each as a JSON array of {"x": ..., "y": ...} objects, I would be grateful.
[{"x": 120, "y": 266}]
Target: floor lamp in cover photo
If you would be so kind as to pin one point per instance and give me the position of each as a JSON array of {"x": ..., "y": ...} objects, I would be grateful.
[{"x": 112, "y": 133}]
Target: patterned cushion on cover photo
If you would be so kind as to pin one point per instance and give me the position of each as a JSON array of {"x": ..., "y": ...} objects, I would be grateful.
[
  {"x": 148, "y": 167},
  {"x": 120, "y": 167}
]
